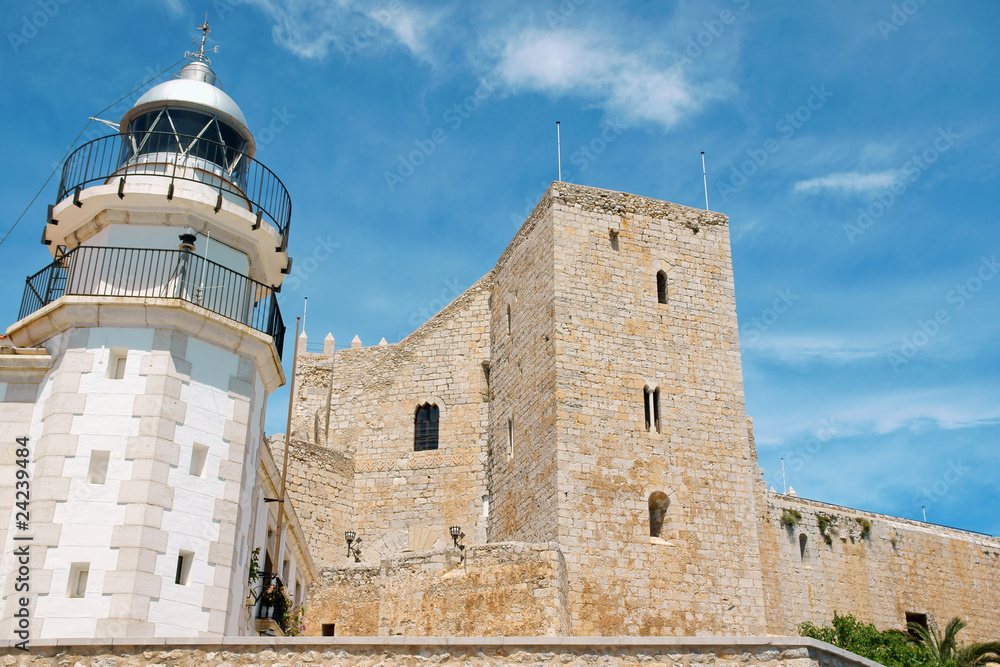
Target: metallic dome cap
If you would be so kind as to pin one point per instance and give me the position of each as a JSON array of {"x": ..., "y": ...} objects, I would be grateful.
[{"x": 194, "y": 88}]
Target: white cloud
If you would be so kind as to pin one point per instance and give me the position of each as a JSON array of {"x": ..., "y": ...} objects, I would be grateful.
[
  {"x": 588, "y": 64},
  {"x": 851, "y": 181},
  {"x": 800, "y": 349},
  {"x": 310, "y": 28}
]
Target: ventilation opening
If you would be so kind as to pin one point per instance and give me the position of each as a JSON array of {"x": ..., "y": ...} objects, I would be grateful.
[
  {"x": 116, "y": 363},
  {"x": 184, "y": 561},
  {"x": 78, "y": 575},
  {"x": 802, "y": 546},
  {"x": 329, "y": 629},
  {"x": 425, "y": 428},
  {"x": 658, "y": 503},
  {"x": 613, "y": 237},
  {"x": 199, "y": 457},
  {"x": 919, "y": 619},
  {"x": 508, "y": 320},
  {"x": 661, "y": 287},
  {"x": 97, "y": 472}
]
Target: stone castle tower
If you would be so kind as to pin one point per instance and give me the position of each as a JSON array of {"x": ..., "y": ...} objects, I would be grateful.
[
  {"x": 137, "y": 374},
  {"x": 589, "y": 390},
  {"x": 577, "y": 417}
]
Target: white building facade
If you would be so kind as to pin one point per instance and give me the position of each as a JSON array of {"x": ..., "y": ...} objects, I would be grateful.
[{"x": 135, "y": 382}]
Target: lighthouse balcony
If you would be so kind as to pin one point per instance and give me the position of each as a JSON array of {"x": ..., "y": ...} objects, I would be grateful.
[
  {"x": 156, "y": 274},
  {"x": 134, "y": 161}
]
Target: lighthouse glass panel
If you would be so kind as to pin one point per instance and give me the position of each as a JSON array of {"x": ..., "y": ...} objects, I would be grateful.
[{"x": 203, "y": 141}]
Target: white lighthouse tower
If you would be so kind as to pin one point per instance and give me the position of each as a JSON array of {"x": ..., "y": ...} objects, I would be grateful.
[{"x": 137, "y": 374}]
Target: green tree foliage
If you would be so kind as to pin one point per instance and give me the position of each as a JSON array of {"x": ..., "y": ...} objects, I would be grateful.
[{"x": 892, "y": 648}]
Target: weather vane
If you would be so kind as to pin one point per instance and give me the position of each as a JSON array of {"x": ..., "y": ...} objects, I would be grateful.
[{"x": 200, "y": 54}]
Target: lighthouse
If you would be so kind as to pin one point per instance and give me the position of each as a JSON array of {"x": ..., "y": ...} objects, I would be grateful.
[{"x": 135, "y": 378}]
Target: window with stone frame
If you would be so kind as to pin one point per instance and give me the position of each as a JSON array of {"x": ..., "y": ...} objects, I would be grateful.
[
  {"x": 661, "y": 287},
  {"x": 425, "y": 428}
]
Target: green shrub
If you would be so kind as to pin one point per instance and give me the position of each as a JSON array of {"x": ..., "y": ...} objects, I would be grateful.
[{"x": 891, "y": 648}]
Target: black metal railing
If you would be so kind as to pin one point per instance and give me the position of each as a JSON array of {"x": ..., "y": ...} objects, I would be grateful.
[
  {"x": 272, "y": 601},
  {"x": 178, "y": 157},
  {"x": 163, "y": 274}
]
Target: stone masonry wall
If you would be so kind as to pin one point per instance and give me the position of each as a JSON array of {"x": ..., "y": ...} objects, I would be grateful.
[
  {"x": 404, "y": 499},
  {"x": 446, "y": 652},
  {"x": 878, "y": 570},
  {"x": 500, "y": 589},
  {"x": 522, "y": 434},
  {"x": 321, "y": 482},
  {"x": 613, "y": 339}
]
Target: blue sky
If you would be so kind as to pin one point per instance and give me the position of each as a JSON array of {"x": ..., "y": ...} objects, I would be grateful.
[{"x": 854, "y": 146}]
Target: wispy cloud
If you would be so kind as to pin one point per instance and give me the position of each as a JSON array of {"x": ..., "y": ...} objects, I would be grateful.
[
  {"x": 310, "y": 28},
  {"x": 848, "y": 182},
  {"x": 812, "y": 348},
  {"x": 590, "y": 65}
]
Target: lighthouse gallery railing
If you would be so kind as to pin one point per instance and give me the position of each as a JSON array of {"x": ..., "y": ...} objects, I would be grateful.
[
  {"x": 163, "y": 274},
  {"x": 176, "y": 157}
]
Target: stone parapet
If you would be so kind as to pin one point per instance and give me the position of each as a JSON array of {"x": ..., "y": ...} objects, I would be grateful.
[{"x": 443, "y": 651}]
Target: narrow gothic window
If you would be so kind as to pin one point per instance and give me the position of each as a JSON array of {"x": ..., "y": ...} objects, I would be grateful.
[
  {"x": 658, "y": 503},
  {"x": 656, "y": 409},
  {"x": 802, "y": 546},
  {"x": 510, "y": 438},
  {"x": 661, "y": 287},
  {"x": 425, "y": 428},
  {"x": 647, "y": 397}
]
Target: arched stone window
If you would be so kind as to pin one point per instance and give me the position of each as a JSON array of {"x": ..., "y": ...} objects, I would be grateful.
[
  {"x": 661, "y": 286},
  {"x": 802, "y": 546},
  {"x": 425, "y": 428},
  {"x": 658, "y": 503}
]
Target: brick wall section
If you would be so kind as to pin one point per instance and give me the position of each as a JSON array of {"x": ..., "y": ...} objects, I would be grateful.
[
  {"x": 900, "y": 566},
  {"x": 523, "y": 386},
  {"x": 404, "y": 499},
  {"x": 447, "y": 652}
]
